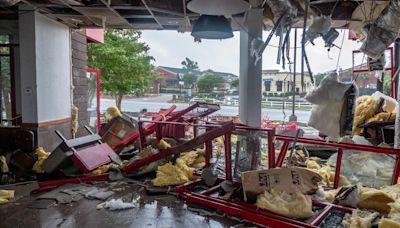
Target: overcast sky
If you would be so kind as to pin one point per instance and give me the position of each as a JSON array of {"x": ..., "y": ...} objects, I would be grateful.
[{"x": 169, "y": 48}]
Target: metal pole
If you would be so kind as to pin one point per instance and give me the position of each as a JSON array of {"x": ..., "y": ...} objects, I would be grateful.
[
  {"x": 293, "y": 117},
  {"x": 303, "y": 44},
  {"x": 396, "y": 66}
]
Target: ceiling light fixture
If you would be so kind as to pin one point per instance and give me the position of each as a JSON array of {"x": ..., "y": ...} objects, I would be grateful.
[{"x": 212, "y": 27}]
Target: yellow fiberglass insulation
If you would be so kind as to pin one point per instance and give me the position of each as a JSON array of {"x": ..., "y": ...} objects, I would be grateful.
[
  {"x": 389, "y": 223},
  {"x": 3, "y": 165},
  {"x": 326, "y": 172},
  {"x": 365, "y": 109},
  {"x": 112, "y": 112},
  {"x": 375, "y": 199},
  {"x": 6, "y": 195},
  {"x": 74, "y": 120},
  {"x": 162, "y": 145},
  {"x": 382, "y": 117},
  {"x": 295, "y": 205},
  {"x": 179, "y": 173},
  {"x": 105, "y": 168},
  {"x": 42, "y": 156}
]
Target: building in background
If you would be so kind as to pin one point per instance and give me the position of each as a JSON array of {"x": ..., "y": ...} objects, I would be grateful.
[
  {"x": 168, "y": 78},
  {"x": 276, "y": 83}
]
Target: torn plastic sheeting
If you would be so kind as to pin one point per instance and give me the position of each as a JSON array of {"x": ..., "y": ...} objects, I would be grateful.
[
  {"x": 382, "y": 33},
  {"x": 370, "y": 169},
  {"x": 328, "y": 101}
]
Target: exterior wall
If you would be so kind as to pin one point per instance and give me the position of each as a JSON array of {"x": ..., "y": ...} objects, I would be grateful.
[
  {"x": 285, "y": 78},
  {"x": 80, "y": 81}
]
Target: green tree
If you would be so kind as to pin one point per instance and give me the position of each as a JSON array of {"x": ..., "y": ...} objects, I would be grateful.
[
  {"x": 207, "y": 83},
  {"x": 235, "y": 83},
  {"x": 190, "y": 78},
  {"x": 124, "y": 62},
  {"x": 189, "y": 64},
  {"x": 387, "y": 84}
]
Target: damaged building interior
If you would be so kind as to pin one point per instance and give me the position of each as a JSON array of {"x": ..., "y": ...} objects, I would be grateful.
[{"x": 65, "y": 164}]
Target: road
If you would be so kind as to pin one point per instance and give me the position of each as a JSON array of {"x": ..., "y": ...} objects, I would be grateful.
[{"x": 153, "y": 104}]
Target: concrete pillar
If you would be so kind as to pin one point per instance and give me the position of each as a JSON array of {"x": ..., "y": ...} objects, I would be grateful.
[
  {"x": 250, "y": 83},
  {"x": 45, "y": 77}
]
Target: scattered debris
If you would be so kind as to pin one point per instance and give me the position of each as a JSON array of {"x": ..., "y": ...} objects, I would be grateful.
[
  {"x": 209, "y": 177},
  {"x": 42, "y": 203},
  {"x": 359, "y": 219},
  {"x": 67, "y": 193},
  {"x": 99, "y": 194},
  {"x": 348, "y": 196},
  {"x": 114, "y": 205},
  {"x": 182, "y": 171}
]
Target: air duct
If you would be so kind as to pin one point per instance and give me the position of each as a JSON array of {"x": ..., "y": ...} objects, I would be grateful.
[{"x": 382, "y": 33}]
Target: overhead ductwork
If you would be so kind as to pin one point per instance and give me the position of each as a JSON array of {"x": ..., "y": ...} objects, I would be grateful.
[
  {"x": 7, "y": 3},
  {"x": 382, "y": 33}
]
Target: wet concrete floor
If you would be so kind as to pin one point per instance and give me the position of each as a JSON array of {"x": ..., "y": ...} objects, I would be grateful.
[{"x": 163, "y": 210}]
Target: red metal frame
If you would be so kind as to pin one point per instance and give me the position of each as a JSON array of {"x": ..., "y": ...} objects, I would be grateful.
[
  {"x": 391, "y": 69},
  {"x": 264, "y": 217},
  {"x": 98, "y": 75},
  {"x": 187, "y": 146},
  {"x": 167, "y": 116}
]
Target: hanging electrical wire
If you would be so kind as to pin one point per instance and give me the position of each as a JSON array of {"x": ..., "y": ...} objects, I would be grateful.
[{"x": 340, "y": 51}]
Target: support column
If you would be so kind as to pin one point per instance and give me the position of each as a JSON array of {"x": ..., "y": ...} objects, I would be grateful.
[
  {"x": 250, "y": 82},
  {"x": 45, "y": 71},
  {"x": 250, "y": 86}
]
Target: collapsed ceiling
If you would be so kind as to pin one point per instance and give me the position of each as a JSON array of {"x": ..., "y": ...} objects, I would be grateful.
[{"x": 157, "y": 14}]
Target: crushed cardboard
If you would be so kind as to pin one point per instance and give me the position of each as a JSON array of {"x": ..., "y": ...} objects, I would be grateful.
[{"x": 290, "y": 180}]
